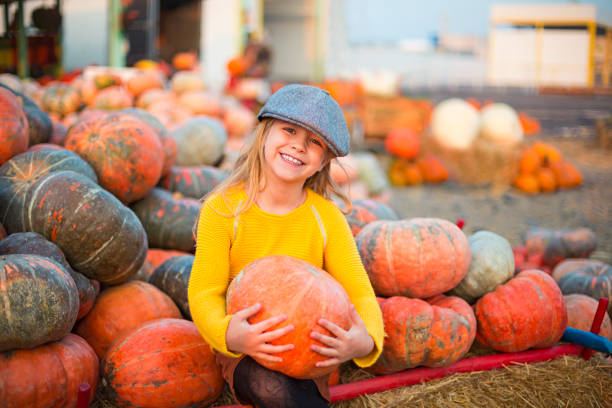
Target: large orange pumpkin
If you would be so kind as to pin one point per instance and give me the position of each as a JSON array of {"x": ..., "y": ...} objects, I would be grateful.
[
  {"x": 161, "y": 363},
  {"x": 433, "y": 333},
  {"x": 302, "y": 292},
  {"x": 14, "y": 132},
  {"x": 184, "y": 60},
  {"x": 528, "y": 311},
  {"x": 121, "y": 308},
  {"x": 125, "y": 152},
  {"x": 403, "y": 143},
  {"x": 143, "y": 81},
  {"x": 48, "y": 375},
  {"x": 418, "y": 258}
]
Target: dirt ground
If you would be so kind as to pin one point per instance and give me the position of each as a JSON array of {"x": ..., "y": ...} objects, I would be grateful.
[{"x": 568, "y": 122}]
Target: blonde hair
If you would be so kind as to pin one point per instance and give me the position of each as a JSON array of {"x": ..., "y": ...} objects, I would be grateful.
[{"x": 248, "y": 173}]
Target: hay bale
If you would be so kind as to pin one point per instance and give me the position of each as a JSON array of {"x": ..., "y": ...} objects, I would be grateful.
[{"x": 484, "y": 163}]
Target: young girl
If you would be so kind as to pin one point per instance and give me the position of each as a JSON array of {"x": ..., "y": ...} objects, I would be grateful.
[{"x": 277, "y": 201}]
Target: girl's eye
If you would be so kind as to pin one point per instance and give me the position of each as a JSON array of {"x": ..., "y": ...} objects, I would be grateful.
[
  {"x": 316, "y": 141},
  {"x": 289, "y": 130}
]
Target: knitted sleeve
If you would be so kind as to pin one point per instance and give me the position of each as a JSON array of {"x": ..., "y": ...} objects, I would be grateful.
[
  {"x": 210, "y": 277},
  {"x": 343, "y": 262}
]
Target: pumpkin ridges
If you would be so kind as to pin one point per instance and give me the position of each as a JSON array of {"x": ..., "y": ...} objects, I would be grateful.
[{"x": 176, "y": 378}]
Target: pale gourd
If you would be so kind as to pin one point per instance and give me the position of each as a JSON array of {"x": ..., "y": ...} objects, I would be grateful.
[
  {"x": 454, "y": 124},
  {"x": 499, "y": 123},
  {"x": 492, "y": 265}
]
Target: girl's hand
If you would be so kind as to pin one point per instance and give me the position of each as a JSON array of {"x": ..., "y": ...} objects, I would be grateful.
[
  {"x": 252, "y": 339},
  {"x": 346, "y": 345}
]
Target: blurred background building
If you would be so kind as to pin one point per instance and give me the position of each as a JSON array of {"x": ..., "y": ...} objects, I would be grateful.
[{"x": 421, "y": 44}]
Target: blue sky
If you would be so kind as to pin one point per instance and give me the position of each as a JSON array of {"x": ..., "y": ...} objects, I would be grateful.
[{"x": 388, "y": 21}]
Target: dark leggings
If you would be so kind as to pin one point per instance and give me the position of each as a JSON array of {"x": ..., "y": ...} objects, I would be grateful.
[{"x": 256, "y": 385}]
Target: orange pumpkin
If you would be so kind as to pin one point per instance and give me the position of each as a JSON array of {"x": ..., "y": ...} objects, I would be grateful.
[
  {"x": 546, "y": 179},
  {"x": 547, "y": 152},
  {"x": 107, "y": 79},
  {"x": 113, "y": 98},
  {"x": 572, "y": 264},
  {"x": 530, "y": 161},
  {"x": 581, "y": 311},
  {"x": 412, "y": 174},
  {"x": 527, "y": 183},
  {"x": 435, "y": 332},
  {"x": 238, "y": 65},
  {"x": 14, "y": 132},
  {"x": 48, "y": 375},
  {"x": 432, "y": 169},
  {"x": 506, "y": 318},
  {"x": 397, "y": 172},
  {"x": 61, "y": 99},
  {"x": 161, "y": 363},
  {"x": 143, "y": 81},
  {"x": 303, "y": 292},
  {"x": 184, "y": 61},
  {"x": 125, "y": 152},
  {"x": 404, "y": 143},
  {"x": 418, "y": 257},
  {"x": 120, "y": 308},
  {"x": 530, "y": 125}
]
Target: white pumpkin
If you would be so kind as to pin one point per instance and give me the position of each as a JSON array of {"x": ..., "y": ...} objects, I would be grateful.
[
  {"x": 454, "y": 124},
  {"x": 183, "y": 81},
  {"x": 499, "y": 123},
  {"x": 492, "y": 265}
]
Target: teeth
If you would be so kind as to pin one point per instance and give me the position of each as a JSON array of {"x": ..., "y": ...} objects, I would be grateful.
[{"x": 291, "y": 159}]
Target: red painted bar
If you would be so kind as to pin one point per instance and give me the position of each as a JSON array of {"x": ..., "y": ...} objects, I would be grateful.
[{"x": 596, "y": 325}]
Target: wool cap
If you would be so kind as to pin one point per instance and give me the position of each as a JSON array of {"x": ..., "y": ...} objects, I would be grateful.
[{"x": 313, "y": 109}]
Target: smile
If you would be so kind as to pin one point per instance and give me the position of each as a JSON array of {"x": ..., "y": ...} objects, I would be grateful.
[{"x": 292, "y": 160}]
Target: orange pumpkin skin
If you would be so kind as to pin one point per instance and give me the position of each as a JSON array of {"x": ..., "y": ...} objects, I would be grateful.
[
  {"x": 48, "y": 375},
  {"x": 527, "y": 311},
  {"x": 432, "y": 169},
  {"x": 125, "y": 153},
  {"x": 161, "y": 363},
  {"x": 121, "y": 308},
  {"x": 530, "y": 161},
  {"x": 432, "y": 333},
  {"x": 367, "y": 210},
  {"x": 592, "y": 280},
  {"x": 14, "y": 132},
  {"x": 417, "y": 258},
  {"x": 527, "y": 183},
  {"x": 572, "y": 264},
  {"x": 143, "y": 81},
  {"x": 404, "y": 143},
  {"x": 113, "y": 98},
  {"x": 61, "y": 99},
  {"x": 546, "y": 180},
  {"x": 184, "y": 61},
  {"x": 581, "y": 311},
  {"x": 303, "y": 292}
]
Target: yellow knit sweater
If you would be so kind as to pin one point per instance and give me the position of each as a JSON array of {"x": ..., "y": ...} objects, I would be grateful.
[{"x": 315, "y": 232}]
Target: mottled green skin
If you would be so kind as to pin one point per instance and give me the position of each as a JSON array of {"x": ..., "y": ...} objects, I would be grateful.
[
  {"x": 39, "y": 301},
  {"x": 172, "y": 278}
]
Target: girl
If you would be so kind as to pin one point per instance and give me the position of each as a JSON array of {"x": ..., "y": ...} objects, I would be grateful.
[{"x": 277, "y": 202}]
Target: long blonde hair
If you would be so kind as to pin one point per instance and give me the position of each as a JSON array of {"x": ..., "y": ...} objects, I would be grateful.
[{"x": 248, "y": 173}]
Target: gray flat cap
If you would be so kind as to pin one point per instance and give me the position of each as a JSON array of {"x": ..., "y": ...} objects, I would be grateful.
[{"x": 313, "y": 109}]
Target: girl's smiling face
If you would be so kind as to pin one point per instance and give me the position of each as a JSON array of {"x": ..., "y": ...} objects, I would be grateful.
[{"x": 292, "y": 153}]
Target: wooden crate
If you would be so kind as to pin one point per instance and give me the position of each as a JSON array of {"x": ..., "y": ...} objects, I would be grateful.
[{"x": 380, "y": 115}]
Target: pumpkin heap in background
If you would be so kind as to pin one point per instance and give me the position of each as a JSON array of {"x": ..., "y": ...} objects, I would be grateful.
[
  {"x": 542, "y": 168},
  {"x": 409, "y": 166}
]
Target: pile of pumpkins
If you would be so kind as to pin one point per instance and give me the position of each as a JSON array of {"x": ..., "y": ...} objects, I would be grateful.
[
  {"x": 95, "y": 284},
  {"x": 542, "y": 169},
  {"x": 410, "y": 166}
]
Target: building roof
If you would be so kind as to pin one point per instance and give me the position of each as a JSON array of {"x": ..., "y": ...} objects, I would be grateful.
[{"x": 549, "y": 14}]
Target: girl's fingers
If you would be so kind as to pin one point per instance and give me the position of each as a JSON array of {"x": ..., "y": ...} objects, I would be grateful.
[
  {"x": 328, "y": 363},
  {"x": 327, "y": 340},
  {"x": 267, "y": 357},
  {"x": 334, "y": 329},
  {"x": 272, "y": 349},
  {"x": 324, "y": 351},
  {"x": 275, "y": 334},
  {"x": 268, "y": 323},
  {"x": 248, "y": 312}
]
